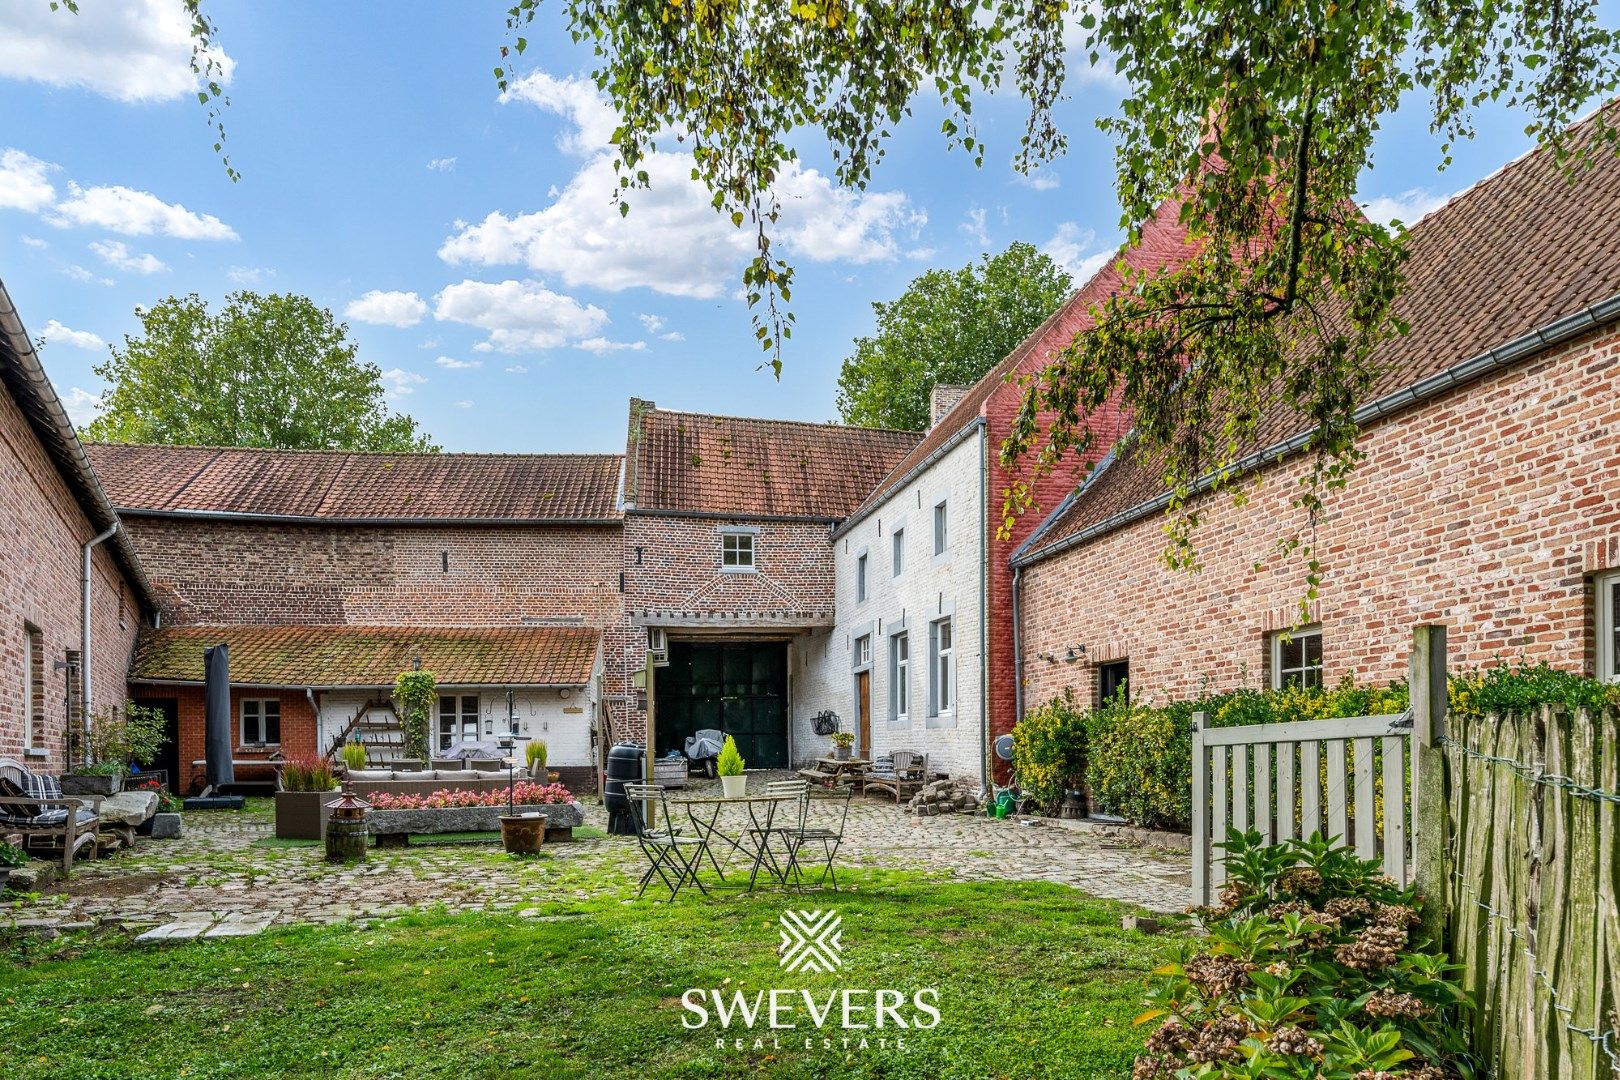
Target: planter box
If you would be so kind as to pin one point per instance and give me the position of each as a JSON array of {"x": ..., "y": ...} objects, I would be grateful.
[
  {"x": 670, "y": 772},
  {"x": 78, "y": 784},
  {"x": 397, "y": 825},
  {"x": 301, "y": 815}
]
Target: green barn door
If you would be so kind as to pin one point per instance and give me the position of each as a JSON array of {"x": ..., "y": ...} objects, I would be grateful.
[{"x": 738, "y": 687}]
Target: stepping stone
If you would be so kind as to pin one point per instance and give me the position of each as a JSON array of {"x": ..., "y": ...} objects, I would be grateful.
[
  {"x": 242, "y": 924},
  {"x": 179, "y": 930}
]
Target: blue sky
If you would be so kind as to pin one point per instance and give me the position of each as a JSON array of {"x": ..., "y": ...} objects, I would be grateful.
[{"x": 471, "y": 243}]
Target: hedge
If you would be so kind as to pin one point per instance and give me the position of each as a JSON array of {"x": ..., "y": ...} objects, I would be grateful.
[{"x": 1137, "y": 759}]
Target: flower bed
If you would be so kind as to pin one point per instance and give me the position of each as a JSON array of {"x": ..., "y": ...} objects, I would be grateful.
[{"x": 524, "y": 793}]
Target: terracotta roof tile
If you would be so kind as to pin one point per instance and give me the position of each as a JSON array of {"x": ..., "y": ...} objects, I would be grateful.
[
  {"x": 1514, "y": 253},
  {"x": 325, "y": 656},
  {"x": 336, "y": 486},
  {"x": 696, "y": 463}
]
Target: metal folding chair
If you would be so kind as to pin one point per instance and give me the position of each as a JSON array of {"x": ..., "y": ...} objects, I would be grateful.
[
  {"x": 668, "y": 853},
  {"x": 799, "y": 791},
  {"x": 829, "y": 836}
]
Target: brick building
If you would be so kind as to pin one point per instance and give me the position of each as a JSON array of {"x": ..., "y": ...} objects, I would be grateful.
[
  {"x": 494, "y": 571},
  {"x": 51, "y": 508},
  {"x": 726, "y": 558},
  {"x": 961, "y": 593},
  {"x": 1488, "y": 499}
]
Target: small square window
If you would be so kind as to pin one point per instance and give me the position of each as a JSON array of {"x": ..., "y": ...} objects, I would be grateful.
[
  {"x": 737, "y": 551},
  {"x": 942, "y": 537},
  {"x": 899, "y": 556},
  {"x": 261, "y": 722},
  {"x": 1296, "y": 658}
]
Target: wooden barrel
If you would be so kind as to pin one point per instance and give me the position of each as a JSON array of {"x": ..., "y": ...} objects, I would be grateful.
[{"x": 346, "y": 840}]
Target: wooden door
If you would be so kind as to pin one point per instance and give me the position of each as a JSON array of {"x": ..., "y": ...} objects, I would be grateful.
[{"x": 863, "y": 712}]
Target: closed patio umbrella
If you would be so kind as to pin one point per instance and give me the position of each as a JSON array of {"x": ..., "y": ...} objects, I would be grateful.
[{"x": 217, "y": 716}]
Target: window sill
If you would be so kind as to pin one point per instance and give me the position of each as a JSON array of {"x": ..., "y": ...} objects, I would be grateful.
[
  {"x": 31, "y": 752},
  {"x": 258, "y": 748},
  {"x": 739, "y": 569}
]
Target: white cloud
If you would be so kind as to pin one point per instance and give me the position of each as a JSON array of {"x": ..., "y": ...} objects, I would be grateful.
[
  {"x": 1407, "y": 207},
  {"x": 653, "y": 323},
  {"x": 1068, "y": 247},
  {"x": 974, "y": 226},
  {"x": 1040, "y": 180},
  {"x": 672, "y": 335},
  {"x": 443, "y": 164},
  {"x": 79, "y": 273},
  {"x": 400, "y": 382},
  {"x": 672, "y": 241},
  {"x": 516, "y": 369},
  {"x": 464, "y": 404},
  {"x": 249, "y": 275},
  {"x": 383, "y": 308},
  {"x": 601, "y": 345},
  {"x": 33, "y": 242},
  {"x": 130, "y": 50},
  {"x": 518, "y": 315},
  {"x": 81, "y": 405},
  {"x": 79, "y": 339},
  {"x": 23, "y": 183},
  {"x": 450, "y": 363},
  {"x": 137, "y": 213},
  {"x": 116, "y": 254}
]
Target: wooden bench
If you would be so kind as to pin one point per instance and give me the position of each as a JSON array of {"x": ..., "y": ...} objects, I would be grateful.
[{"x": 35, "y": 807}]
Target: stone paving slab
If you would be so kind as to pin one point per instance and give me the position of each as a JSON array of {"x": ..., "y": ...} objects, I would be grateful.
[
  {"x": 242, "y": 924},
  {"x": 228, "y": 862}
]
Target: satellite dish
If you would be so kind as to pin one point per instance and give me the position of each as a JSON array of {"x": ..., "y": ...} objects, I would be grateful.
[{"x": 1004, "y": 745}]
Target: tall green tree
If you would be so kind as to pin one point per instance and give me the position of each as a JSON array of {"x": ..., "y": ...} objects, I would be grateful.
[
  {"x": 949, "y": 326},
  {"x": 271, "y": 371}
]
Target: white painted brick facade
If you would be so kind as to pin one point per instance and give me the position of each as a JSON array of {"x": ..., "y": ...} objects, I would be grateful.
[{"x": 926, "y": 588}]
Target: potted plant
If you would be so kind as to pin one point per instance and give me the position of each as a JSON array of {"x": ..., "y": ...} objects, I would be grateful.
[
  {"x": 842, "y": 741},
  {"x": 535, "y": 755},
  {"x": 354, "y": 755},
  {"x": 10, "y": 858},
  {"x": 304, "y": 786},
  {"x": 523, "y": 834},
  {"x": 116, "y": 738},
  {"x": 733, "y": 784}
]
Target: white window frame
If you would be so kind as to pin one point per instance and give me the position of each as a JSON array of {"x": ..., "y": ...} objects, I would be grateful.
[
  {"x": 260, "y": 719},
  {"x": 734, "y": 545},
  {"x": 897, "y": 552},
  {"x": 1608, "y": 626},
  {"x": 942, "y": 672},
  {"x": 900, "y": 677},
  {"x": 862, "y": 577},
  {"x": 942, "y": 527},
  {"x": 1278, "y": 675},
  {"x": 863, "y": 651},
  {"x": 457, "y": 719}
]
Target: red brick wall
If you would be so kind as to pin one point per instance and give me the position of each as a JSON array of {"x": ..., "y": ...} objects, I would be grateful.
[
  {"x": 41, "y": 531},
  {"x": 297, "y": 731},
  {"x": 233, "y": 572},
  {"x": 1486, "y": 510},
  {"x": 680, "y": 568}
]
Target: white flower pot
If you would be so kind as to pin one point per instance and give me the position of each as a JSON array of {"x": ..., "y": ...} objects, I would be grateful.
[{"x": 733, "y": 787}]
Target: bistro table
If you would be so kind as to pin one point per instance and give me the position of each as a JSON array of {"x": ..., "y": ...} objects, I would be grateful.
[
  {"x": 835, "y": 772},
  {"x": 755, "y": 842}
]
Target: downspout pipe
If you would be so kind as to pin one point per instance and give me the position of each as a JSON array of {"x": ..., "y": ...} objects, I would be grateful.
[
  {"x": 1018, "y": 649},
  {"x": 984, "y": 612},
  {"x": 85, "y": 679}
]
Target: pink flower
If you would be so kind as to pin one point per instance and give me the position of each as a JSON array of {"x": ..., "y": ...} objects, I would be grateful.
[{"x": 524, "y": 793}]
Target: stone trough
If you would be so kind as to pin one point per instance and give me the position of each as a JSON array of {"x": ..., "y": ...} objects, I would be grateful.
[{"x": 394, "y": 828}]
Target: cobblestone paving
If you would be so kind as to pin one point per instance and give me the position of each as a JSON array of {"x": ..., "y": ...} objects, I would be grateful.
[{"x": 225, "y": 866}]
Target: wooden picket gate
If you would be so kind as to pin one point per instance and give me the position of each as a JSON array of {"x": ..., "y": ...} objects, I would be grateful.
[{"x": 1288, "y": 781}]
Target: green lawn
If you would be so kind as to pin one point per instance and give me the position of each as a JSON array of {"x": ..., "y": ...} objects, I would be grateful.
[{"x": 1033, "y": 981}]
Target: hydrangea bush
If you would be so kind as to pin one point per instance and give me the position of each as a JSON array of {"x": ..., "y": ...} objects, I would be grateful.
[
  {"x": 524, "y": 793},
  {"x": 1311, "y": 969}
]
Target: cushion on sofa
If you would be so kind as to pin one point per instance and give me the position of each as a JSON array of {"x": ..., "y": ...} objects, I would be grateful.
[
  {"x": 423, "y": 774},
  {"x": 458, "y": 774},
  {"x": 371, "y": 774}
]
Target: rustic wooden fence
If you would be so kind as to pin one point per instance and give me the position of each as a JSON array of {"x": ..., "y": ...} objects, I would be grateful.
[
  {"x": 1514, "y": 830},
  {"x": 1291, "y": 780}
]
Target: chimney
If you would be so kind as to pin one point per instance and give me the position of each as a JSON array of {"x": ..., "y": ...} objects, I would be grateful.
[{"x": 943, "y": 400}]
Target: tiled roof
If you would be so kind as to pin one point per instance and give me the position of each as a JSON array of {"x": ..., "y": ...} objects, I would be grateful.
[
  {"x": 1164, "y": 242},
  {"x": 1515, "y": 253},
  {"x": 696, "y": 463},
  {"x": 369, "y": 656},
  {"x": 340, "y": 486}
]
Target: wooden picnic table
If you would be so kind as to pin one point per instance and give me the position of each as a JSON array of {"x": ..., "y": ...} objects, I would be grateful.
[
  {"x": 832, "y": 771},
  {"x": 754, "y": 843}
]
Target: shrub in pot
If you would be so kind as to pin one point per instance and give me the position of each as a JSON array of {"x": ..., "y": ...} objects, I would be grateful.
[
  {"x": 116, "y": 737},
  {"x": 535, "y": 755},
  {"x": 733, "y": 784},
  {"x": 842, "y": 741},
  {"x": 355, "y": 755},
  {"x": 304, "y": 787}
]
